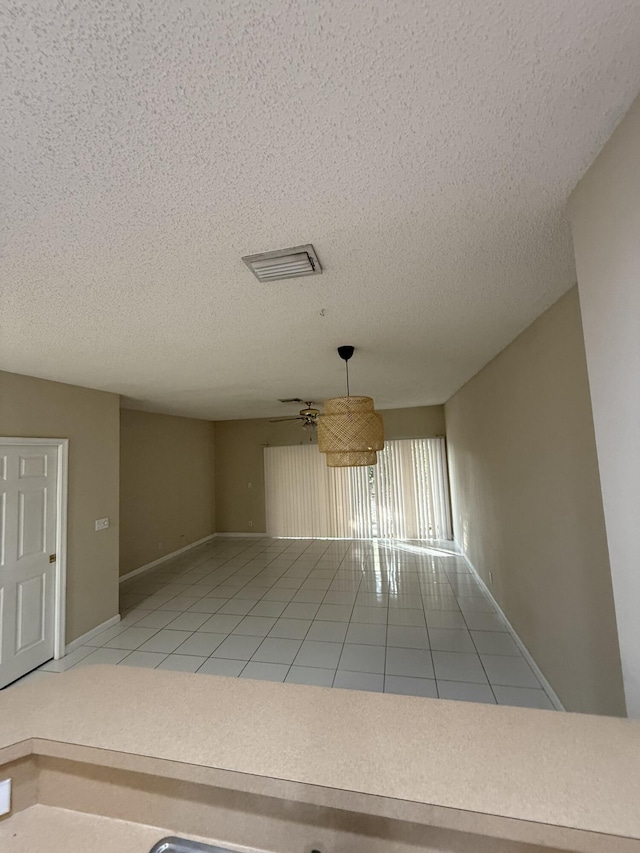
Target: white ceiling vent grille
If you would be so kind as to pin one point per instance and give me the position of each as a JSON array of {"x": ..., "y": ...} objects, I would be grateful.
[{"x": 284, "y": 263}]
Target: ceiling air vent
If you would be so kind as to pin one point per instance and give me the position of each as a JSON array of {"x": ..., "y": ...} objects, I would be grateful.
[{"x": 284, "y": 263}]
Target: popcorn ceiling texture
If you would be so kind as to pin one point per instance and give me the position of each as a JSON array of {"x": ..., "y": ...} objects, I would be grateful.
[{"x": 426, "y": 149}]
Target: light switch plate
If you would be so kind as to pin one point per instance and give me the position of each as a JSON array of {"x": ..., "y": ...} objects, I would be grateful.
[
  {"x": 102, "y": 523},
  {"x": 5, "y": 796}
]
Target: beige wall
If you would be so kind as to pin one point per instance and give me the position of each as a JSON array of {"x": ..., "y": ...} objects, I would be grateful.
[
  {"x": 527, "y": 505},
  {"x": 37, "y": 408},
  {"x": 166, "y": 485},
  {"x": 240, "y": 459},
  {"x": 605, "y": 221}
]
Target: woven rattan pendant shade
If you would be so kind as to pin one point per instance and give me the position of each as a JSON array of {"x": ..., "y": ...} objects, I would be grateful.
[{"x": 350, "y": 432}]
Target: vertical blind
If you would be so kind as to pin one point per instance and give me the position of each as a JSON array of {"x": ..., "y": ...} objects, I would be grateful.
[{"x": 405, "y": 496}]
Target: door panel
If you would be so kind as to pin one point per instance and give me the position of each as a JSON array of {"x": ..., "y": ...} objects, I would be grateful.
[
  {"x": 27, "y": 540},
  {"x": 3, "y": 504},
  {"x": 33, "y": 466},
  {"x": 32, "y": 522},
  {"x": 30, "y": 612}
]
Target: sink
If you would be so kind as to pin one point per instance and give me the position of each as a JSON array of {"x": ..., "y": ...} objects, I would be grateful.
[{"x": 172, "y": 844}]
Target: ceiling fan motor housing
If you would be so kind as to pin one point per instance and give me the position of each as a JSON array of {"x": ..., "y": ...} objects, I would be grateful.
[{"x": 309, "y": 413}]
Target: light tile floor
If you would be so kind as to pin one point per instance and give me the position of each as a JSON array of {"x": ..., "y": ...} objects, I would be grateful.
[{"x": 377, "y": 615}]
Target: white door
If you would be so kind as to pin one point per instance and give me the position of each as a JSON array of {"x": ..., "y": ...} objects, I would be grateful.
[{"x": 28, "y": 503}]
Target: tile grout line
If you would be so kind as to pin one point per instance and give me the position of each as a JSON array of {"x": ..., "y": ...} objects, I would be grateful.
[
  {"x": 493, "y": 693},
  {"x": 489, "y": 682},
  {"x": 433, "y": 664},
  {"x": 386, "y": 644},
  {"x": 335, "y": 675},
  {"x": 309, "y": 628}
]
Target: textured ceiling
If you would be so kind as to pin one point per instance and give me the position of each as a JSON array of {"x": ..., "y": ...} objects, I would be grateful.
[{"x": 426, "y": 149}]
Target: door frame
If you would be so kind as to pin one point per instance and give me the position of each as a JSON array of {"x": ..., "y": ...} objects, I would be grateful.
[{"x": 60, "y": 586}]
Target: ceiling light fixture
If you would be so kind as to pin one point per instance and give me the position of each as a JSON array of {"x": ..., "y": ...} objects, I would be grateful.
[
  {"x": 350, "y": 432},
  {"x": 284, "y": 263}
]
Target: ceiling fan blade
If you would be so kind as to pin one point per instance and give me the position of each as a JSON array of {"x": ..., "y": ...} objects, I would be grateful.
[{"x": 280, "y": 420}]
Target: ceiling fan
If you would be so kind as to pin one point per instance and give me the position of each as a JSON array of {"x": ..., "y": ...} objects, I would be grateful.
[{"x": 308, "y": 415}]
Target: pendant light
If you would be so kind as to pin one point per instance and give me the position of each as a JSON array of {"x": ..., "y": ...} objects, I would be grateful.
[{"x": 350, "y": 431}]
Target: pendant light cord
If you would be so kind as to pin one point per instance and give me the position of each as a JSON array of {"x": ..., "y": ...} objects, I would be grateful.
[{"x": 346, "y": 364}]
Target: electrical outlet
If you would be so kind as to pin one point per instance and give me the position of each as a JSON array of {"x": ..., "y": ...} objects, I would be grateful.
[
  {"x": 490, "y": 577},
  {"x": 5, "y": 797},
  {"x": 251, "y": 524},
  {"x": 102, "y": 523}
]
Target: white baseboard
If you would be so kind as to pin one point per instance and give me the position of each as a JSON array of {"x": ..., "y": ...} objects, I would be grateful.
[
  {"x": 548, "y": 689},
  {"x": 80, "y": 641},
  {"x": 166, "y": 557},
  {"x": 241, "y": 535}
]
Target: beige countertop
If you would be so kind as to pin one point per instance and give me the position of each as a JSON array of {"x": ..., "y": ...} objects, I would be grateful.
[
  {"x": 44, "y": 828},
  {"x": 567, "y": 770},
  {"x": 41, "y": 829}
]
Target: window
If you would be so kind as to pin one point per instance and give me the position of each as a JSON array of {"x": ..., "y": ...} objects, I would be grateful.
[{"x": 404, "y": 496}]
